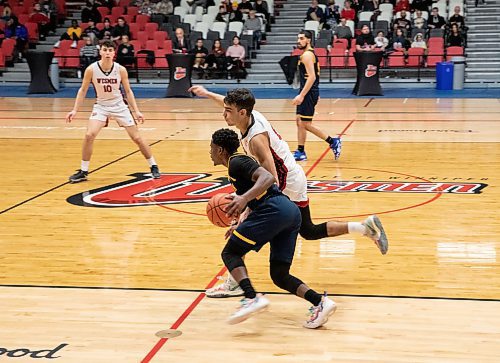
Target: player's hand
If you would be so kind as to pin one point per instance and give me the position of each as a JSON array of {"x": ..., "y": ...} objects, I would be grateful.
[
  {"x": 140, "y": 117},
  {"x": 236, "y": 206},
  {"x": 230, "y": 230},
  {"x": 199, "y": 91},
  {"x": 70, "y": 116},
  {"x": 298, "y": 100}
]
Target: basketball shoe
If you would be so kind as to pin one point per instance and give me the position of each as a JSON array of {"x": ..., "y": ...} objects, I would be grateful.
[
  {"x": 336, "y": 146},
  {"x": 79, "y": 176},
  {"x": 155, "y": 172},
  {"x": 229, "y": 288},
  {"x": 375, "y": 231},
  {"x": 247, "y": 308},
  {"x": 318, "y": 315},
  {"x": 299, "y": 155}
]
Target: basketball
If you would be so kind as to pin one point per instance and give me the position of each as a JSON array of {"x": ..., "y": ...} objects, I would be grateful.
[{"x": 216, "y": 210}]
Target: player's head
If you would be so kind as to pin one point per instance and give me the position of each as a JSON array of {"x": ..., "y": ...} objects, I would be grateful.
[
  {"x": 107, "y": 50},
  {"x": 225, "y": 142},
  {"x": 238, "y": 104},
  {"x": 304, "y": 39}
]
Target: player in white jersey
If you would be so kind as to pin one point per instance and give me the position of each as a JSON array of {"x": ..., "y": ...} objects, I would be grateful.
[
  {"x": 107, "y": 76},
  {"x": 260, "y": 140}
]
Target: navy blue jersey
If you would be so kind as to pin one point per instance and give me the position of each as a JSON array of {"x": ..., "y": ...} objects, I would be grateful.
[{"x": 303, "y": 71}]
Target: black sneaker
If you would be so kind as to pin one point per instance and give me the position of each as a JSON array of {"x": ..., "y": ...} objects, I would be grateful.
[
  {"x": 79, "y": 176},
  {"x": 155, "y": 172}
]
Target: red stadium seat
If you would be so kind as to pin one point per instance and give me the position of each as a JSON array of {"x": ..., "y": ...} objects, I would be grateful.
[
  {"x": 104, "y": 11},
  {"x": 415, "y": 57},
  {"x": 129, "y": 19},
  {"x": 143, "y": 38},
  {"x": 340, "y": 43},
  {"x": 454, "y": 52},
  {"x": 32, "y": 29},
  {"x": 72, "y": 58},
  {"x": 322, "y": 55},
  {"x": 59, "y": 54},
  {"x": 161, "y": 61},
  {"x": 100, "y": 26},
  {"x": 134, "y": 30},
  {"x": 23, "y": 18},
  {"x": 167, "y": 46},
  {"x": 151, "y": 28},
  {"x": 137, "y": 45},
  {"x": 8, "y": 47},
  {"x": 133, "y": 10},
  {"x": 65, "y": 44},
  {"x": 142, "y": 20},
  {"x": 297, "y": 52},
  {"x": 396, "y": 59},
  {"x": 337, "y": 59},
  {"x": 151, "y": 45},
  {"x": 160, "y": 36},
  {"x": 351, "y": 62},
  {"x": 2, "y": 60},
  {"x": 117, "y": 11}
]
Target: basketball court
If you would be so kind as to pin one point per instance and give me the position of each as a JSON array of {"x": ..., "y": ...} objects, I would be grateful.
[{"x": 90, "y": 272}]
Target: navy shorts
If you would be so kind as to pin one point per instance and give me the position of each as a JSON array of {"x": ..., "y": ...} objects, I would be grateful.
[
  {"x": 277, "y": 221},
  {"x": 306, "y": 109}
]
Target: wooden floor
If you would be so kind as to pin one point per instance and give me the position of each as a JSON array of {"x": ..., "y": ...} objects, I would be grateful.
[{"x": 102, "y": 280}]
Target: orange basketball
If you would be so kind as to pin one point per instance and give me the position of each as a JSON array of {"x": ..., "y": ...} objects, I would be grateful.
[{"x": 216, "y": 210}]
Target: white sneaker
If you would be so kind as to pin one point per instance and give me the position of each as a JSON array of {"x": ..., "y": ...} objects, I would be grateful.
[
  {"x": 247, "y": 308},
  {"x": 229, "y": 288},
  {"x": 58, "y": 43},
  {"x": 375, "y": 231},
  {"x": 318, "y": 315},
  {"x": 74, "y": 44}
]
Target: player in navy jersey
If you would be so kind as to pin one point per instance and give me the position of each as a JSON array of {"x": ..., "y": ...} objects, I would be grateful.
[
  {"x": 271, "y": 217},
  {"x": 107, "y": 77}
]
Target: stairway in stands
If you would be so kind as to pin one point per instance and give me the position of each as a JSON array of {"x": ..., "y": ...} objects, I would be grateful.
[{"x": 483, "y": 45}]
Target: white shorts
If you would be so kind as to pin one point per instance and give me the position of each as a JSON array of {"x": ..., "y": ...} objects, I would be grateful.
[
  {"x": 120, "y": 112},
  {"x": 296, "y": 186}
]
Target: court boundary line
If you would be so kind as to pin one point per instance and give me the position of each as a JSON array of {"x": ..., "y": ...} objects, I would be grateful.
[{"x": 264, "y": 292}]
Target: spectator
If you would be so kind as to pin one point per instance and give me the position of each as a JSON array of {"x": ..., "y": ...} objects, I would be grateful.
[
  {"x": 50, "y": 8},
  {"x": 106, "y": 3},
  {"x": 216, "y": 60},
  {"x": 7, "y": 13},
  {"x": 455, "y": 38},
  {"x": 422, "y": 5},
  {"x": 403, "y": 23},
  {"x": 235, "y": 55},
  {"x": 91, "y": 32},
  {"x": 107, "y": 31},
  {"x": 195, "y": 3},
  {"x": 120, "y": 29},
  {"x": 19, "y": 33},
  {"x": 419, "y": 42},
  {"x": 347, "y": 12},
  {"x": 245, "y": 6},
  {"x": 147, "y": 8},
  {"x": 125, "y": 52},
  {"x": 261, "y": 7},
  {"x": 74, "y": 33},
  {"x": 342, "y": 31},
  {"x": 43, "y": 21},
  {"x": 164, "y": 7},
  {"x": 332, "y": 15},
  {"x": 356, "y": 5},
  {"x": 456, "y": 18},
  {"x": 365, "y": 41},
  {"x": 253, "y": 25},
  {"x": 222, "y": 15},
  {"x": 89, "y": 54},
  {"x": 370, "y": 5},
  {"x": 200, "y": 53},
  {"x": 235, "y": 14},
  {"x": 418, "y": 21},
  {"x": 315, "y": 12},
  {"x": 226, "y": 6},
  {"x": 180, "y": 42},
  {"x": 399, "y": 42},
  {"x": 89, "y": 11},
  {"x": 436, "y": 21},
  {"x": 402, "y": 5},
  {"x": 381, "y": 42}
]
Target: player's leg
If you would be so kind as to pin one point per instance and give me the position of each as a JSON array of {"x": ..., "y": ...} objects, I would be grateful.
[{"x": 136, "y": 137}]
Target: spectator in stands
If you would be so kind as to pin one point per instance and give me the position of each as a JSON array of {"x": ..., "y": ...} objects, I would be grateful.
[
  {"x": 436, "y": 21},
  {"x": 403, "y": 23},
  {"x": 164, "y": 7},
  {"x": 120, "y": 29},
  {"x": 43, "y": 21},
  {"x": 332, "y": 15},
  {"x": 89, "y": 54},
  {"x": 342, "y": 31},
  {"x": 89, "y": 11},
  {"x": 347, "y": 12},
  {"x": 253, "y": 25},
  {"x": 216, "y": 60},
  {"x": 418, "y": 21},
  {"x": 261, "y": 7},
  {"x": 91, "y": 32},
  {"x": 235, "y": 55},
  {"x": 365, "y": 41},
  {"x": 7, "y": 13},
  {"x": 222, "y": 15},
  {"x": 245, "y": 6},
  {"x": 225, "y": 4},
  {"x": 19, "y": 33},
  {"x": 180, "y": 43},
  {"x": 370, "y": 5},
  {"x": 147, "y": 8},
  {"x": 356, "y": 5},
  {"x": 402, "y": 5},
  {"x": 315, "y": 12},
  {"x": 50, "y": 8},
  {"x": 107, "y": 31},
  {"x": 399, "y": 42},
  {"x": 381, "y": 42},
  {"x": 419, "y": 42},
  {"x": 422, "y": 5},
  {"x": 455, "y": 38},
  {"x": 235, "y": 14},
  {"x": 106, "y": 3},
  {"x": 456, "y": 18},
  {"x": 125, "y": 52},
  {"x": 74, "y": 33},
  {"x": 200, "y": 53}
]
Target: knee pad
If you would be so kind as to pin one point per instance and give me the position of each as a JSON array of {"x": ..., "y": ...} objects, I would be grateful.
[
  {"x": 280, "y": 274},
  {"x": 231, "y": 255}
]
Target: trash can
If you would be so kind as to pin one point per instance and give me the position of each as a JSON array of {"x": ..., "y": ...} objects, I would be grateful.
[
  {"x": 54, "y": 73},
  {"x": 444, "y": 76},
  {"x": 458, "y": 72}
]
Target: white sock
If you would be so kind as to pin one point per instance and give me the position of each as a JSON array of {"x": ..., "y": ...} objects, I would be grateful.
[
  {"x": 151, "y": 161},
  {"x": 85, "y": 165},
  {"x": 356, "y": 227}
]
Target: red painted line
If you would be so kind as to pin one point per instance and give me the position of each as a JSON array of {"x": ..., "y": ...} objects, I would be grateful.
[
  {"x": 342, "y": 133},
  {"x": 369, "y": 101},
  {"x": 181, "y": 319}
]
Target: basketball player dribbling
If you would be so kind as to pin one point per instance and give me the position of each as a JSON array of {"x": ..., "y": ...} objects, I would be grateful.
[
  {"x": 107, "y": 76},
  {"x": 261, "y": 141}
]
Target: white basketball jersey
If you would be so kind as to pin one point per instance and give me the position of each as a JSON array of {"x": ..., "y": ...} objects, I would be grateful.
[
  {"x": 107, "y": 84},
  {"x": 291, "y": 176}
]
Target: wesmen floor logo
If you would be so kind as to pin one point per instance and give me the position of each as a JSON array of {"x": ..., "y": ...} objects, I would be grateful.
[{"x": 192, "y": 188}]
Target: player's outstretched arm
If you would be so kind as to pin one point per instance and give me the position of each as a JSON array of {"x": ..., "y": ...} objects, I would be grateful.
[
  {"x": 201, "y": 91},
  {"x": 130, "y": 94},
  {"x": 80, "y": 96}
]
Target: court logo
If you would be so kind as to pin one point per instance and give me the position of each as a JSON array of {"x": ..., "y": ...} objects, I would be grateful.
[
  {"x": 176, "y": 188},
  {"x": 22, "y": 352},
  {"x": 180, "y": 73},
  {"x": 370, "y": 70}
]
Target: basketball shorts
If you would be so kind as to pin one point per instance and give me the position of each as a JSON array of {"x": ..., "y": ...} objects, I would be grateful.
[
  {"x": 306, "y": 109},
  {"x": 277, "y": 221},
  {"x": 120, "y": 113},
  {"x": 296, "y": 186}
]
